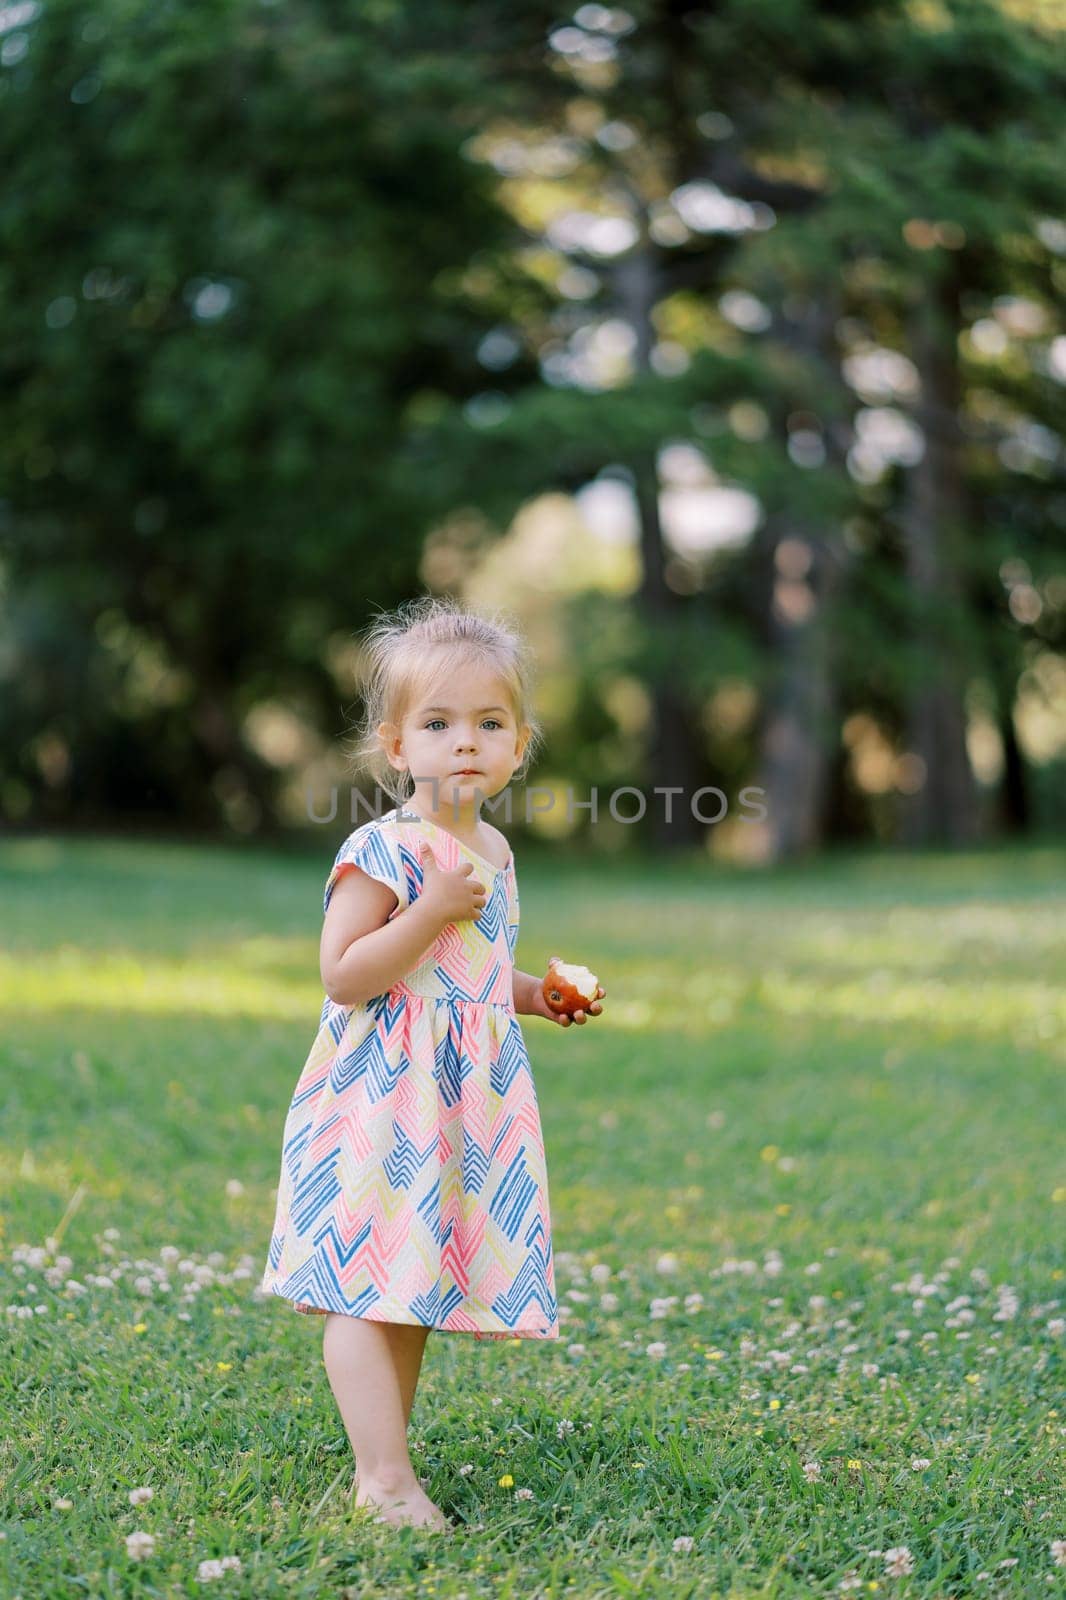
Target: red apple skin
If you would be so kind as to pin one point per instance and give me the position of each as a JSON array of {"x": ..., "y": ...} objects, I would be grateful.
[{"x": 562, "y": 997}]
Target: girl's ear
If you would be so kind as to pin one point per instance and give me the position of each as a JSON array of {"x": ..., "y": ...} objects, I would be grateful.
[{"x": 389, "y": 734}]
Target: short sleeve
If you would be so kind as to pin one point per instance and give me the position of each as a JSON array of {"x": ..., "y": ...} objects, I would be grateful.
[{"x": 376, "y": 848}]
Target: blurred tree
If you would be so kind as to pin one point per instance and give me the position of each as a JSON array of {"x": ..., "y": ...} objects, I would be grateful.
[
  {"x": 786, "y": 216},
  {"x": 281, "y": 287},
  {"x": 225, "y": 235}
]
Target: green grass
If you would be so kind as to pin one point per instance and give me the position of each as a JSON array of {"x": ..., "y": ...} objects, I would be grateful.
[{"x": 813, "y": 1094}]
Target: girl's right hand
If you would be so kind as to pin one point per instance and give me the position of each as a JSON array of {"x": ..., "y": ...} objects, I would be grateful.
[{"x": 457, "y": 896}]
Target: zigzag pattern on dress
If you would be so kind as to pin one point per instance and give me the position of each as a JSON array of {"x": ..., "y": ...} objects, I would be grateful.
[{"x": 413, "y": 1183}]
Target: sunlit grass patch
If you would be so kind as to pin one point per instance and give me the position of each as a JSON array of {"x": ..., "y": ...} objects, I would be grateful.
[{"x": 223, "y": 983}]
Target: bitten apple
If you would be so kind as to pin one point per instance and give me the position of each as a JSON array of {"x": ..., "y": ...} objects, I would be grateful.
[{"x": 568, "y": 987}]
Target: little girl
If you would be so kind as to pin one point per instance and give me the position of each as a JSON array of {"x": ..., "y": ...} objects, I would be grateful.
[{"x": 413, "y": 1191}]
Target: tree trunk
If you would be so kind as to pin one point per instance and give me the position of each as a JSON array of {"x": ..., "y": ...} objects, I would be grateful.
[
  {"x": 802, "y": 574},
  {"x": 674, "y": 755},
  {"x": 799, "y": 731},
  {"x": 943, "y": 808},
  {"x": 1014, "y": 796}
]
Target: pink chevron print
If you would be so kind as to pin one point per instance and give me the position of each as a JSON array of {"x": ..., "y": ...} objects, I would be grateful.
[{"x": 413, "y": 1182}]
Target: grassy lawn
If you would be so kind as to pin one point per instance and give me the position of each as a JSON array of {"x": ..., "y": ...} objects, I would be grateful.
[{"x": 808, "y": 1191}]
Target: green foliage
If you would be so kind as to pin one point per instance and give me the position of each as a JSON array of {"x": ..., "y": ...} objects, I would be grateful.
[
  {"x": 221, "y": 235},
  {"x": 248, "y": 257}
]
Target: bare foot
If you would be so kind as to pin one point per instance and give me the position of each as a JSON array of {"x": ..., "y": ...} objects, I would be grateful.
[{"x": 409, "y": 1506}]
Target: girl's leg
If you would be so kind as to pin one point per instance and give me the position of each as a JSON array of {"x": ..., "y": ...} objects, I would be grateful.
[
  {"x": 408, "y": 1345},
  {"x": 370, "y": 1395}
]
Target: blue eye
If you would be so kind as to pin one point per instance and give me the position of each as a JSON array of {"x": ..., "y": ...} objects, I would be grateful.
[{"x": 433, "y": 720}]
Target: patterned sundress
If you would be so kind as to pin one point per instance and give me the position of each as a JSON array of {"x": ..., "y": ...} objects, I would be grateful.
[{"x": 413, "y": 1184}]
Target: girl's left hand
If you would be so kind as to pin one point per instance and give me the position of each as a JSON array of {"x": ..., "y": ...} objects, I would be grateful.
[{"x": 541, "y": 1008}]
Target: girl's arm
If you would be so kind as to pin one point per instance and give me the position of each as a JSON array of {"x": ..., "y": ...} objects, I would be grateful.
[
  {"x": 362, "y": 954},
  {"x": 524, "y": 983}
]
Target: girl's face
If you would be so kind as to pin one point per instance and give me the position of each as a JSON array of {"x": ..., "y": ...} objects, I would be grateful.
[{"x": 469, "y": 724}]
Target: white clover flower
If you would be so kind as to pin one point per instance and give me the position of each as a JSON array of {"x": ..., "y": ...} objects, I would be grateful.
[
  {"x": 812, "y": 1471},
  {"x": 919, "y": 1463},
  {"x": 1058, "y": 1552},
  {"x": 656, "y": 1350},
  {"x": 684, "y": 1541},
  {"x": 667, "y": 1263},
  {"x": 138, "y": 1496},
  {"x": 140, "y": 1544},
  {"x": 898, "y": 1561}
]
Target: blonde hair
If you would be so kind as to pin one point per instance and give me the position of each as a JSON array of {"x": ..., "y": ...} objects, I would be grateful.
[{"x": 415, "y": 649}]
